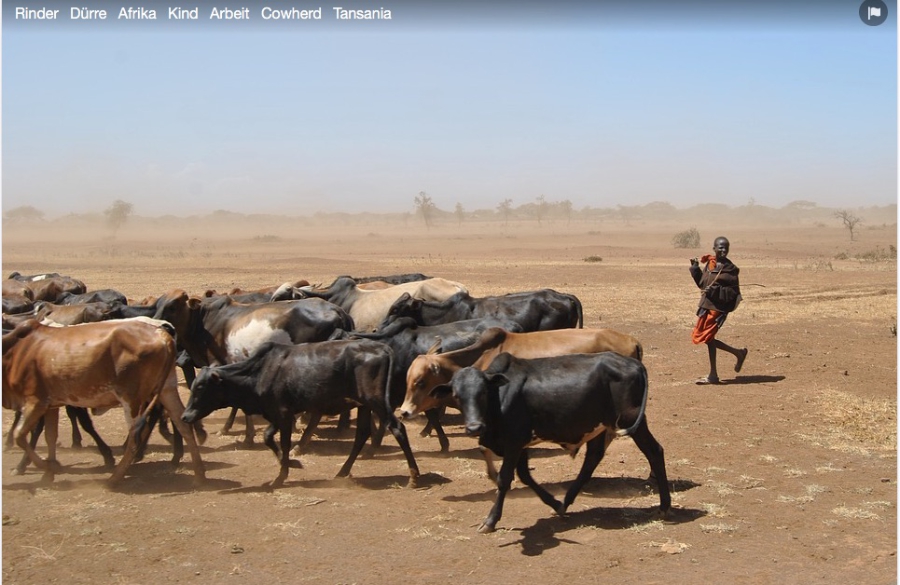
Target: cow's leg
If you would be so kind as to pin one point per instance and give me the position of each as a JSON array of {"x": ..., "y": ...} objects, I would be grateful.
[
  {"x": 51, "y": 435},
  {"x": 306, "y": 435},
  {"x": 152, "y": 418},
  {"x": 84, "y": 419},
  {"x": 399, "y": 431},
  {"x": 378, "y": 427},
  {"x": 171, "y": 401},
  {"x": 229, "y": 422},
  {"x": 434, "y": 422},
  {"x": 285, "y": 426},
  {"x": 504, "y": 480},
  {"x": 35, "y": 435},
  {"x": 249, "y": 431},
  {"x": 489, "y": 463},
  {"x": 72, "y": 413},
  {"x": 527, "y": 479},
  {"x": 344, "y": 421},
  {"x": 269, "y": 440},
  {"x": 653, "y": 451},
  {"x": 31, "y": 415},
  {"x": 138, "y": 431},
  {"x": 363, "y": 429},
  {"x": 10, "y": 439},
  {"x": 596, "y": 449}
]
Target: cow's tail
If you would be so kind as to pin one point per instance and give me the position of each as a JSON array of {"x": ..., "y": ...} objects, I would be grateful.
[
  {"x": 640, "y": 417},
  {"x": 141, "y": 422},
  {"x": 390, "y": 382}
]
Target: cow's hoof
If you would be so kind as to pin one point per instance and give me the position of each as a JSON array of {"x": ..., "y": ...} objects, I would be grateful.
[
  {"x": 486, "y": 529},
  {"x": 295, "y": 463},
  {"x": 561, "y": 509}
]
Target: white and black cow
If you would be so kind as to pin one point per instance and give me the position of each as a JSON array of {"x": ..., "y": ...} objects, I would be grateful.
[
  {"x": 540, "y": 310},
  {"x": 218, "y": 330},
  {"x": 280, "y": 381},
  {"x": 570, "y": 400}
]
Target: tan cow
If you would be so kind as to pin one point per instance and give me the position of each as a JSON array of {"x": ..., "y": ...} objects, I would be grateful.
[
  {"x": 128, "y": 362},
  {"x": 368, "y": 308},
  {"x": 435, "y": 369}
]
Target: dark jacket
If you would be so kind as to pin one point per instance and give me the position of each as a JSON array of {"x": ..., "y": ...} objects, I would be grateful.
[{"x": 720, "y": 286}]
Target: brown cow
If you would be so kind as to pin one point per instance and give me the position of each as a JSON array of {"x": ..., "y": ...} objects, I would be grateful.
[
  {"x": 96, "y": 365},
  {"x": 48, "y": 286},
  {"x": 435, "y": 369}
]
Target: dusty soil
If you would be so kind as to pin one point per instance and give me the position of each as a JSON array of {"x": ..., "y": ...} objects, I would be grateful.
[{"x": 785, "y": 473}]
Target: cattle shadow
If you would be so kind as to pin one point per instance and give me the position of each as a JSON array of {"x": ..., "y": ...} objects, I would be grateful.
[
  {"x": 139, "y": 480},
  {"x": 544, "y": 534},
  {"x": 751, "y": 380},
  {"x": 597, "y": 487},
  {"x": 373, "y": 483}
]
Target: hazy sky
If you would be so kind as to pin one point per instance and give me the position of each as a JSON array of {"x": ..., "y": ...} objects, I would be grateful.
[{"x": 599, "y": 103}]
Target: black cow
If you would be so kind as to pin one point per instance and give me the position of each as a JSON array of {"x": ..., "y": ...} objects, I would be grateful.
[
  {"x": 392, "y": 279},
  {"x": 280, "y": 381},
  {"x": 218, "y": 330},
  {"x": 408, "y": 340},
  {"x": 106, "y": 295},
  {"x": 569, "y": 400},
  {"x": 540, "y": 310}
]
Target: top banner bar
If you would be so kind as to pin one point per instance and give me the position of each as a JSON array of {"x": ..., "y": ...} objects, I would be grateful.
[{"x": 309, "y": 15}]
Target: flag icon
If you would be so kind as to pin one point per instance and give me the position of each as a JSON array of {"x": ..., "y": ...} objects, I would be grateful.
[{"x": 874, "y": 11}]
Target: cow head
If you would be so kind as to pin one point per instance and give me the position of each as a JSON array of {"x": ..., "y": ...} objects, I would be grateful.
[
  {"x": 471, "y": 389},
  {"x": 207, "y": 395},
  {"x": 425, "y": 372}
]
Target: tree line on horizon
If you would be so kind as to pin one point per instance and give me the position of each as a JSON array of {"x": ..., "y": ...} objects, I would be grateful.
[{"x": 539, "y": 210}]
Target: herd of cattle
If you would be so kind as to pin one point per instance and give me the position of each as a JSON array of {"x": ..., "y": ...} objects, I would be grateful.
[{"x": 520, "y": 367}]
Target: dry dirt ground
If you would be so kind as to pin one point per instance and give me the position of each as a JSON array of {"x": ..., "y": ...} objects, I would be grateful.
[{"x": 786, "y": 473}]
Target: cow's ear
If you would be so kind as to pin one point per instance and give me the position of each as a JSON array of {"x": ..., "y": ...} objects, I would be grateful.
[
  {"x": 216, "y": 376},
  {"x": 497, "y": 379},
  {"x": 441, "y": 392},
  {"x": 435, "y": 348},
  {"x": 193, "y": 303},
  {"x": 209, "y": 293}
]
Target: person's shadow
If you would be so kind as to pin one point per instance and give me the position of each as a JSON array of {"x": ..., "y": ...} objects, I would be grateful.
[{"x": 752, "y": 380}]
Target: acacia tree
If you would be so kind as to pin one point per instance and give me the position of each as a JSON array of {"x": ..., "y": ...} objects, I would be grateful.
[
  {"x": 425, "y": 206},
  {"x": 566, "y": 207},
  {"x": 850, "y": 221},
  {"x": 541, "y": 209},
  {"x": 460, "y": 213},
  {"x": 505, "y": 209},
  {"x": 25, "y": 213},
  {"x": 117, "y": 214}
]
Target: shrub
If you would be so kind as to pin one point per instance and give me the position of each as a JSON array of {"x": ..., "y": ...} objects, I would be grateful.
[
  {"x": 687, "y": 239},
  {"x": 593, "y": 259}
]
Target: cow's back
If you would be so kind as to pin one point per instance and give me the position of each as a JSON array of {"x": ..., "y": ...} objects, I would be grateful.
[{"x": 94, "y": 365}]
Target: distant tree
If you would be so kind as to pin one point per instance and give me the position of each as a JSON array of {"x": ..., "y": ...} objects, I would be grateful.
[
  {"x": 117, "y": 214},
  {"x": 460, "y": 213},
  {"x": 850, "y": 221},
  {"x": 24, "y": 213},
  {"x": 425, "y": 206},
  {"x": 566, "y": 207},
  {"x": 505, "y": 209},
  {"x": 540, "y": 211}
]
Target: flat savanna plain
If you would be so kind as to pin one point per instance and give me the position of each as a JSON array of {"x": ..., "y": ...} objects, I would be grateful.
[{"x": 785, "y": 473}]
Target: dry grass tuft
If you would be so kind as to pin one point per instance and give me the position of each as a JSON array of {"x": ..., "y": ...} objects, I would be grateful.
[{"x": 854, "y": 424}]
